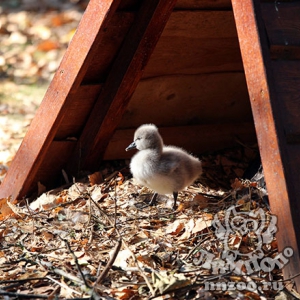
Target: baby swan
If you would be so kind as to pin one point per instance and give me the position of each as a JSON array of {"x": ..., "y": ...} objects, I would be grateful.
[{"x": 164, "y": 169}]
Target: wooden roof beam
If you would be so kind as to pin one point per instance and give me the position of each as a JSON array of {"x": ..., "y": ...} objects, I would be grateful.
[
  {"x": 268, "y": 116},
  {"x": 121, "y": 83}
]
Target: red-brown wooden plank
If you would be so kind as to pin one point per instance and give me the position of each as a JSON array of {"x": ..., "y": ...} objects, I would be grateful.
[
  {"x": 203, "y": 4},
  {"x": 180, "y": 100},
  {"x": 55, "y": 105},
  {"x": 106, "y": 48},
  {"x": 283, "y": 186},
  {"x": 51, "y": 175},
  {"x": 189, "y": 137},
  {"x": 212, "y": 45},
  {"x": 121, "y": 82}
]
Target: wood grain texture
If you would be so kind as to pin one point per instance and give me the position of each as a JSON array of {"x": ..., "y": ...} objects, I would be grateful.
[
  {"x": 192, "y": 138},
  {"x": 196, "y": 42},
  {"x": 133, "y": 5},
  {"x": 75, "y": 117},
  {"x": 106, "y": 48},
  {"x": 274, "y": 151},
  {"x": 121, "y": 82},
  {"x": 203, "y": 4},
  {"x": 189, "y": 99},
  {"x": 50, "y": 175}
]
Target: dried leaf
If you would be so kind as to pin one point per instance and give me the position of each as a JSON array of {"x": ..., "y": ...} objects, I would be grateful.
[
  {"x": 252, "y": 295},
  {"x": 95, "y": 178},
  {"x": 37, "y": 249},
  {"x": 17, "y": 210},
  {"x": 28, "y": 275},
  {"x": 200, "y": 201},
  {"x": 60, "y": 19},
  {"x": 96, "y": 193},
  {"x": 188, "y": 228},
  {"x": 234, "y": 241},
  {"x": 123, "y": 293},
  {"x": 47, "y": 236},
  {"x": 237, "y": 184},
  {"x": 77, "y": 190},
  {"x": 122, "y": 258},
  {"x": 164, "y": 282},
  {"x": 120, "y": 178},
  {"x": 45, "y": 201},
  {"x": 5, "y": 210},
  {"x": 175, "y": 227},
  {"x": 202, "y": 223}
]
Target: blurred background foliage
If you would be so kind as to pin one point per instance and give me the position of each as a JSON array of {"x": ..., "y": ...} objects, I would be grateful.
[{"x": 34, "y": 35}]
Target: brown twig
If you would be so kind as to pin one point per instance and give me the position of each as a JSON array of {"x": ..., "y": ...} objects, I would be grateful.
[
  {"x": 110, "y": 263},
  {"x": 196, "y": 247},
  {"x": 116, "y": 207},
  {"x": 67, "y": 275},
  {"x": 55, "y": 293},
  {"x": 22, "y": 280},
  {"x": 76, "y": 262},
  {"x": 22, "y": 296},
  {"x": 290, "y": 278},
  {"x": 90, "y": 205},
  {"x": 157, "y": 216},
  {"x": 140, "y": 269},
  {"x": 63, "y": 285},
  {"x": 126, "y": 246}
]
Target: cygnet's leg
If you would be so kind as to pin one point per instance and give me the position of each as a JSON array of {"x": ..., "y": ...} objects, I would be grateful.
[
  {"x": 175, "y": 195},
  {"x": 153, "y": 199}
]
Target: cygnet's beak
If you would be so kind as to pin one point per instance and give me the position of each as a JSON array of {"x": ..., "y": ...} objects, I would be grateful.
[{"x": 131, "y": 146}]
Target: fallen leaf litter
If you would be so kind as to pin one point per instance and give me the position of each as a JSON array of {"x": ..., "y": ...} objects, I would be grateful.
[{"x": 100, "y": 240}]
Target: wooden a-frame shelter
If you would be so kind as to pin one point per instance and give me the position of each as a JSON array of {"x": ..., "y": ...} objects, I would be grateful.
[{"x": 176, "y": 64}]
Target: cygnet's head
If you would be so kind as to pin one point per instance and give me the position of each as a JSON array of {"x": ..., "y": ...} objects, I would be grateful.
[{"x": 146, "y": 137}]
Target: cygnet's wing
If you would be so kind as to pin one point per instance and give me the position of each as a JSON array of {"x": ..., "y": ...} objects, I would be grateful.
[
  {"x": 180, "y": 166},
  {"x": 170, "y": 160}
]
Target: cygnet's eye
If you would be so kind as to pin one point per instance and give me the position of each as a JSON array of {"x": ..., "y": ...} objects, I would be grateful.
[{"x": 137, "y": 139}]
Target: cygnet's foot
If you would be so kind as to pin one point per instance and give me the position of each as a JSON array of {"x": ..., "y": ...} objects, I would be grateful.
[
  {"x": 175, "y": 195},
  {"x": 153, "y": 200}
]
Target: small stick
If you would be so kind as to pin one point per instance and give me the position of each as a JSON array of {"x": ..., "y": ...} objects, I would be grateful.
[
  {"x": 55, "y": 293},
  {"x": 110, "y": 263},
  {"x": 196, "y": 247},
  {"x": 76, "y": 262},
  {"x": 290, "y": 278},
  {"x": 109, "y": 177},
  {"x": 125, "y": 245},
  {"x": 140, "y": 270},
  {"x": 116, "y": 208},
  {"x": 22, "y": 280},
  {"x": 23, "y": 296},
  {"x": 63, "y": 285},
  {"x": 67, "y": 275},
  {"x": 90, "y": 205}
]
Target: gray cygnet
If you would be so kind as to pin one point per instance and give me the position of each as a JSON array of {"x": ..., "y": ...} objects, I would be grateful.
[{"x": 164, "y": 169}]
